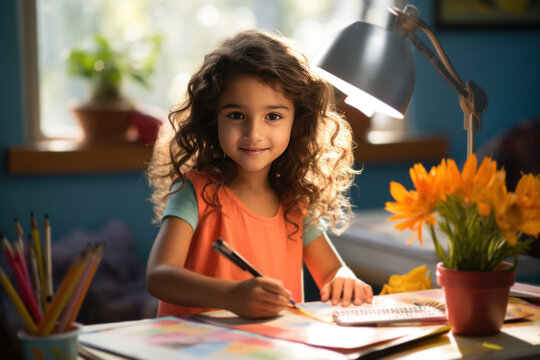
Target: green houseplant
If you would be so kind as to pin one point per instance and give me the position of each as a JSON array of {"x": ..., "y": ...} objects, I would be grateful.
[{"x": 104, "y": 115}]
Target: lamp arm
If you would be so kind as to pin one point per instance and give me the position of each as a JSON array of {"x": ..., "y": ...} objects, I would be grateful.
[
  {"x": 407, "y": 22},
  {"x": 442, "y": 55},
  {"x": 443, "y": 66},
  {"x": 472, "y": 98}
]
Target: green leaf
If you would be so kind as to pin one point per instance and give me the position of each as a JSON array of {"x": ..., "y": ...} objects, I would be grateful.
[
  {"x": 106, "y": 67},
  {"x": 438, "y": 248}
]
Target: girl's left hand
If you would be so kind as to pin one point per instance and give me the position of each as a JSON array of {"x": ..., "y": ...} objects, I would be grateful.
[{"x": 346, "y": 286}]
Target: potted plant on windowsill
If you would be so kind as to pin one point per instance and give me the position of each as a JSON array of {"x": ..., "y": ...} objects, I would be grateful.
[
  {"x": 483, "y": 223},
  {"x": 105, "y": 115}
]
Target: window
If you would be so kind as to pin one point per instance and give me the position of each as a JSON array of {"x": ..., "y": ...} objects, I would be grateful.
[{"x": 190, "y": 29}]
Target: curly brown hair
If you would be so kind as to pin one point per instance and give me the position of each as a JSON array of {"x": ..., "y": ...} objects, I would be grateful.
[{"x": 315, "y": 170}]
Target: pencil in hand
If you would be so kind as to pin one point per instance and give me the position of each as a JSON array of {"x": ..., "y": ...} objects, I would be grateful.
[{"x": 226, "y": 250}]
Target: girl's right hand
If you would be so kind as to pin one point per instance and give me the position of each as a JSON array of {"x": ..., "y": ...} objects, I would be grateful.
[{"x": 258, "y": 297}]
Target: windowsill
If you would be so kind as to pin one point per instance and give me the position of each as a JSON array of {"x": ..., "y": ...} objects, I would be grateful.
[
  {"x": 69, "y": 157},
  {"x": 66, "y": 157}
]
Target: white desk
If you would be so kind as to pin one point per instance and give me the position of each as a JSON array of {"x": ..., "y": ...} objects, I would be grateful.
[{"x": 505, "y": 345}]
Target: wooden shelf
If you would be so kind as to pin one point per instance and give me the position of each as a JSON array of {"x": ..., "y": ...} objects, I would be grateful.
[
  {"x": 402, "y": 149},
  {"x": 67, "y": 157}
]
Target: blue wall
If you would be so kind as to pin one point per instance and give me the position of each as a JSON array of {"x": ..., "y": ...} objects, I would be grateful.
[{"x": 505, "y": 63}]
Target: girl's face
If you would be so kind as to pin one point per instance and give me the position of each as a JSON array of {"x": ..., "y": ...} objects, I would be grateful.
[{"x": 254, "y": 123}]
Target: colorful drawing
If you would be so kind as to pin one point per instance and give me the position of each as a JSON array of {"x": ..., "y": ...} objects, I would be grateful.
[
  {"x": 178, "y": 338},
  {"x": 294, "y": 326}
]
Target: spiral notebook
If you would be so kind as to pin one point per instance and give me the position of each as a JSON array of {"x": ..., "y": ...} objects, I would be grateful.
[{"x": 387, "y": 315}]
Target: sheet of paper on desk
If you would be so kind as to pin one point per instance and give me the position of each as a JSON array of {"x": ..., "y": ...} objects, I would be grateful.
[
  {"x": 177, "y": 338},
  {"x": 293, "y": 326}
]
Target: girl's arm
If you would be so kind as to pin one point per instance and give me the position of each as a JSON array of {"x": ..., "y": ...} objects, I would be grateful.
[
  {"x": 334, "y": 279},
  {"x": 168, "y": 280}
]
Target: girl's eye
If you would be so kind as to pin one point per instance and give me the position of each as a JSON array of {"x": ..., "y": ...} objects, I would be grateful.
[
  {"x": 236, "y": 115},
  {"x": 273, "y": 116}
]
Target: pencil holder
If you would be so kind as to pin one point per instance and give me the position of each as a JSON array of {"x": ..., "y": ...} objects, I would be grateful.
[{"x": 57, "y": 346}]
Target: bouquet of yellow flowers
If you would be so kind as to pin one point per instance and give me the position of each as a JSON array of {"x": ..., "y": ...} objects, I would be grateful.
[{"x": 484, "y": 222}]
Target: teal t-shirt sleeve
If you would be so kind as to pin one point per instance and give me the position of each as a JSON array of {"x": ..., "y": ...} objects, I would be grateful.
[
  {"x": 313, "y": 231},
  {"x": 183, "y": 204}
]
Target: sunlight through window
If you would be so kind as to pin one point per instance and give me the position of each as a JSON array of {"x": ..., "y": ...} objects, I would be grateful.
[{"x": 189, "y": 30}]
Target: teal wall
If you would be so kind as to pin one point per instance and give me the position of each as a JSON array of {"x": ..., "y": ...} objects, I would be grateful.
[{"x": 505, "y": 63}]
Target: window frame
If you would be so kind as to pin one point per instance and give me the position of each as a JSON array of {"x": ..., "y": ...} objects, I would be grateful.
[{"x": 30, "y": 73}]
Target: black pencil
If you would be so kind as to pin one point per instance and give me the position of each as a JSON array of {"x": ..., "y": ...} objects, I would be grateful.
[{"x": 226, "y": 250}]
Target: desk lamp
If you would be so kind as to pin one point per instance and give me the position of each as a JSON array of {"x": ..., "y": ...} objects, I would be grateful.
[{"x": 374, "y": 67}]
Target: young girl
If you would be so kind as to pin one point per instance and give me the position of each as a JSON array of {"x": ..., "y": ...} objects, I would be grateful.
[{"x": 257, "y": 156}]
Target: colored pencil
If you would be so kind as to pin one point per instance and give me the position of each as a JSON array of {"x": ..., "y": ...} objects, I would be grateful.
[
  {"x": 48, "y": 261},
  {"x": 98, "y": 256},
  {"x": 35, "y": 276},
  {"x": 73, "y": 306},
  {"x": 21, "y": 249},
  {"x": 39, "y": 257},
  {"x": 24, "y": 286},
  {"x": 8, "y": 252},
  {"x": 20, "y": 233},
  {"x": 62, "y": 296},
  {"x": 70, "y": 305},
  {"x": 16, "y": 300},
  {"x": 18, "y": 254},
  {"x": 61, "y": 308}
]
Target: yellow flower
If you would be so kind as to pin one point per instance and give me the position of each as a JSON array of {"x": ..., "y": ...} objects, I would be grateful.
[
  {"x": 476, "y": 186},
  {"x": 451, "y": 178},
  {"x": 453, "y": 193},
  {"x": 519, "y": 211},
  {"x": 415, "y": 207},
  {"x": 528, "y": 191},
  {"x": 527, "y": 197}
]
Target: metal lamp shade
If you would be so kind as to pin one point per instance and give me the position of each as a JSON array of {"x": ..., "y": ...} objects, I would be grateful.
[{"x": 378, "y": 63}]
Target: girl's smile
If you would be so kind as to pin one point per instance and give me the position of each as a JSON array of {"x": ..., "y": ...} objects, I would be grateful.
[
  {"x": 253, "y": 152},
  {"x": 254, "y": 123}
]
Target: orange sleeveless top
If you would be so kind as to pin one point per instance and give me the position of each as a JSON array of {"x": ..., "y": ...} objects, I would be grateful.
[{"x": 264, "y": 242}]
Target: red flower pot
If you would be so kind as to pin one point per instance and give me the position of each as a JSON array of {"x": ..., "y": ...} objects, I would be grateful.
[
  {"x": 476, "y": 301},
  {"x": 103, "y": 122}
]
